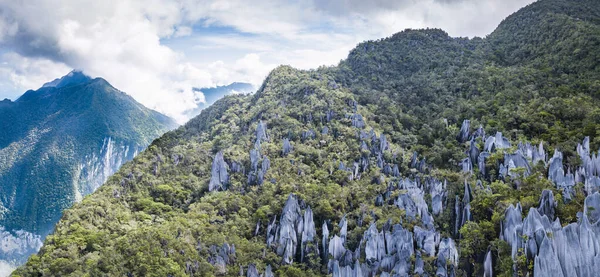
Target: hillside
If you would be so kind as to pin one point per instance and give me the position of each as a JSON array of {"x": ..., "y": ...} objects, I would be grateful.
[
  {"x": 420, "y": 154},
  {"x": 59, "y": 143}
]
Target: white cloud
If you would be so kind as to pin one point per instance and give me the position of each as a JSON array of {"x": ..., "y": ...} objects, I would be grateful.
[
  {"x": 157, "y": 50},
  {"x": 250, "y": 69},
  {"x": 6, "y": 268},
  {"x": 18, "y": 72}
]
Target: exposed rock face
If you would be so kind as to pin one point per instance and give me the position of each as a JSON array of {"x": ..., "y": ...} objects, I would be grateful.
[
  {"x": 308, "y": 235},
  {"x": 219, "y": 173},
  {"x": 390, "y": 250},
  {"x": 438, "y": 194},
  {"x": 512, "y": 228},
  {"x": 222, "y": 256},
  {"x": 589, "y": 172},
  {"x": 268, "y": 272},
  {"x": 465, "y": 129},
  {"x": 462, "y": 210},
  {"x": 252, "y": 271},
  {"x": 291, "y": 219},
  {"x": 95, "y": 169},
  {"x": 488, "y": 268},
  {"x": 293, "y": 228},
  {"x": 481, "y": 163},
  {"x": 287, "y": 147},
  {"x": 14, "y": 245},
  {"x": 357, "y": 120},
  {"x": 261, "y": 132},
  {"x": 557, "y": 251},
  {"x": 385, "y": 251},
  {"x": 547, "y": 204},
  {"x": 257, "y": 175},
  {"x": 325, "y": 241},
  {"x": 496, "y": 142}
]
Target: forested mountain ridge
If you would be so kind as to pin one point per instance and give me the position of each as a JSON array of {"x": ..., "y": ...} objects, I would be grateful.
[
  {"x": 59, "y": 143},
  {"x": 377, "y": 166}
]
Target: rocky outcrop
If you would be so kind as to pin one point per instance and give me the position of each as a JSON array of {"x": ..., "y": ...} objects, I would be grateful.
[
  {"x": 219, "y": 173},
  {"x": 571, "y": 250},
  {"x": 287, "y": 147},
  {"x": 465, "y": 129}
]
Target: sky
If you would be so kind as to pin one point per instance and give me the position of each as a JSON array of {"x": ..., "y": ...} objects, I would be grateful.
[{"x": 158, "y": 50}]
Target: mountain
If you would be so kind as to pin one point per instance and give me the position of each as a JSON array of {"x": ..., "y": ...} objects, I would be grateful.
[
  {"x": 420, "y": 154},
  {"x": 73, "y": 78},
  {"x": 213, "y": 94},
  {"x": 58, "y": 144}
]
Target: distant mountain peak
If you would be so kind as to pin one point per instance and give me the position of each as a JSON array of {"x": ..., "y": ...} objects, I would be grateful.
[{"x": 74, "y": 77}]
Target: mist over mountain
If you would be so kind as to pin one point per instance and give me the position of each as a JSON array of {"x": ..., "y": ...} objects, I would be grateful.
[
  {"x": 420, "y": 154},
  {"x": 212, "y": 94},
  {"x": 58, "y": 144}
]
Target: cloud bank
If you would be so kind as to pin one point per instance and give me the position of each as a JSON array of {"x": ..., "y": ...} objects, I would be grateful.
[{"x": 158, "y": 50}]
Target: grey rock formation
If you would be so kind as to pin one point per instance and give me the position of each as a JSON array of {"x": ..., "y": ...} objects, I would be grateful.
[
  {"x": 481, "y": 162},
  {"x": 474, "y": 152},
  {"x": 309, "y": 233},
  {"x": 343, "y": 229},
  {"x": 237, "y": 167},
  {"x": 287, "y": 240},
  {"x": 479, "y": 133},
  {"x": 533, "y": 154},
  {"x": 261, "y": 132},
  {"x": 496, "y": 142},
  {"x": 467, "y": 165},
  {"x": 254, "y": 157},
  {"x": 426, "y": 240},
  {"x": 269, "y": 272},
  {"x": 591, "y": 208},
  {"x": 457, "y": 216},
  {"x": 379, "y": 200},
  {"x": 219, "y": 173},
  {"x": 287, "y": 147},
  {"x": 325, "y": 241},
  {"x": 372, "y": 237},
  {"x": 488, "y": 268},
  {"x": 447, "y": 249},
  {"x": 308, "y": 135},
  {"x": 547, "y": 204},
  {"x": 329, "y": 115},
  {"x": 252, "y": 272},
  {"x": 266, "y": 164},
  {"x": 336, "y": 248},
  {"x": 221, "y": 256},
  {"x": 516, "y": 160},
  {"x": 383, "y": 144},
  {"x": 414, "y": 160},
  {"x": 547, "y": 263},
  {"x": 357, "y": 121},
  {"x": 419, "y": 264},
  {"x": 438, "y": 195},
  {"x": 465, "y": 130},
  {"x": 512, "y": 228}
]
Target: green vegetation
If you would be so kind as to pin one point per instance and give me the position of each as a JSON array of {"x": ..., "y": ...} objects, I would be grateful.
[{"x": 536, "y": 78}]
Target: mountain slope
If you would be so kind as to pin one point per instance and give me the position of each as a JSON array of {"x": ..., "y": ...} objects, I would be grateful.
[
  {"x": 375, "y": 166},
  {"x": 62, "y": 142}
]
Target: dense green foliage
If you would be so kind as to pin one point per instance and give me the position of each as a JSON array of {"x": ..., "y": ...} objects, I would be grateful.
[{"x": 536, "y": 78}]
